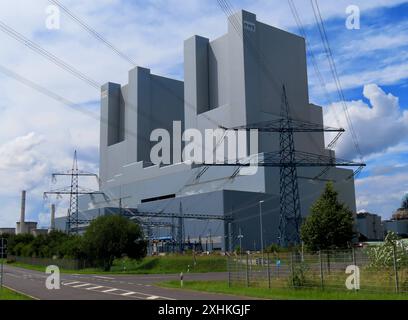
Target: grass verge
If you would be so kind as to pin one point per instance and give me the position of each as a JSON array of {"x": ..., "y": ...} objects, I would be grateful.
[
  {"x": 282, "y": 294},
  {"x": 150, "y": 265},
  {"x": 7, "y": 294}
]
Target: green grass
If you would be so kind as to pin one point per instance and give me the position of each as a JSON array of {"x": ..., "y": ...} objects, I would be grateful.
[
  {"x": 282, "y": 293},
  {"x": 7, "y": 294},
  {"x": 151, "y": 265}
]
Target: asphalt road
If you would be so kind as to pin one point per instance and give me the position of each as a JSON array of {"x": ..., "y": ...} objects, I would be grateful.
[{"x": 110, "y": 287}]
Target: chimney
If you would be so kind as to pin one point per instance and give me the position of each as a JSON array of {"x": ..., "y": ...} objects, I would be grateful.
[
  {"x": 20, "y": 228},
  {"x": 23, "y": 203},
  {"x": 52, "y": 225}
]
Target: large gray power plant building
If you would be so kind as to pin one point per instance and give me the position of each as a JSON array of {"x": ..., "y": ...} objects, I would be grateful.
[{"x": 231, "y": 81}]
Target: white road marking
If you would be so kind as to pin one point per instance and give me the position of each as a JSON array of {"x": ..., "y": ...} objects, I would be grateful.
[
  {"x": 95, "y": 288},
  {"x": 101, "y": 277},
  {"x": 115, "y": 291},
  {"x": 69, "y": 283},
  {"x": 82, "y": 285}
]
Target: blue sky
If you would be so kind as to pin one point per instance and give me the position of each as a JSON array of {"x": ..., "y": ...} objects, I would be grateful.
[{"x": 38, "y": 135}]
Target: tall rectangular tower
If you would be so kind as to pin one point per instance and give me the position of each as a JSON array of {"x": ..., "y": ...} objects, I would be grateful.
[{"x": 130, "y": 113}]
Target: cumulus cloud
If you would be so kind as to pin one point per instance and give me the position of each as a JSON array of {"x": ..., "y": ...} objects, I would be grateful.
[
  {"x": 20, "y": 163},
  {"x": 379, "y": 124},
  {"x": 371, "y": 195}
]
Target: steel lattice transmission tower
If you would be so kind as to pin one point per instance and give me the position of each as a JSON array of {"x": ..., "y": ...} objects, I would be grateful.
[
  {"x": 290, "y": 215},
  {"x": 74, "y": 191},
  {"x": 73, "y": 218},
  {"x": 287, "y": 159}
]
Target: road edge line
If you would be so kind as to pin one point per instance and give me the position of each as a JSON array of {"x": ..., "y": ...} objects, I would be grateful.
[{"x": 22, "y": 293}]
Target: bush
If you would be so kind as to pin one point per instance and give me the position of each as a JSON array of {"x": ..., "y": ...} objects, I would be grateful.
[
  {"x": 110, "y": 237},
  {"x": 298, "y": 279},
  {"x": 383, "y": 255}
]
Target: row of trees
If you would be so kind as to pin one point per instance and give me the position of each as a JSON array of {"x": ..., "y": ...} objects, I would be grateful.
[
  {"x": 107, "y": 238},
  {"x": 330, "y": 225}
]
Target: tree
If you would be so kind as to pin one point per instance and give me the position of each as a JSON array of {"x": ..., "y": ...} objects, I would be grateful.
[
  {"x": 330, "y": 224},
  {"x": 111, "y": 237}
]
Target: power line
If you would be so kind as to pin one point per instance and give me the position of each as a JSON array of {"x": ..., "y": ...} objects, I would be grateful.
[
  {"x": 54, "y": 59},
  {"x": 260, "y": 58},
  {"x": 102, "y": 39},
  {"x": 46, "y": 54},
  {"x": 319, "y": 75},
  {"x": 333, "y": 69},
  {"x": 93, "y": 32},
  {"x": 72, "y": 105}
]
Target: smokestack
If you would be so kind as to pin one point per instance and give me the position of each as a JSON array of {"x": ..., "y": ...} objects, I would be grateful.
[
  {"x": 52, "y": 225},
  {"x": 23, "y": 203}
]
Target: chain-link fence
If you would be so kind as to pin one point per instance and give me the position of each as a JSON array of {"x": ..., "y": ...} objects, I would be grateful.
[{"x": 382, "y": 269}]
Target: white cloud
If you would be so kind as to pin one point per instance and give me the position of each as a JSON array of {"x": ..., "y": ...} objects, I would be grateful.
[
  {"x": 391, "y": 74},
  {"x": 382, "y": 130},
  {"x": 379, "y": 125},
  {"x": 382, "y": 194}
]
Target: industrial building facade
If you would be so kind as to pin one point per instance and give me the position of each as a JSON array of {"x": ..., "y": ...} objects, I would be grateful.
[{"x": 232, "y": 81}]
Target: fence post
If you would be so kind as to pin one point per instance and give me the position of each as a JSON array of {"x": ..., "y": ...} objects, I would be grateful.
[
  {"x": 394, "y": 254},
  {"x": 292, "y": 268},
  {"x": 321, "y": 270},
  {"x": 229, "y": 271},
  {"x": 328, "y": 261},
  {"x": 269, "y": 271},
  {"x": 354, "y": 256},
  {"x": 238, "y": 269},
  {"x": 247, "y": 270}
]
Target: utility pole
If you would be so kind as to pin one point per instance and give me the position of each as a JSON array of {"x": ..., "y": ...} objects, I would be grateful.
[
  {"x": 260, "y": 222},
  {"x": 3, "y": 251},
  {"x": 210, "y": 243},
  {"x": 180, "y": 235},
  {"x": 240, "y": 236},
  {"x": 230, "y": 237}
]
